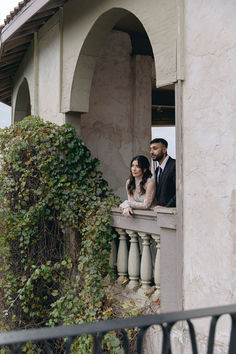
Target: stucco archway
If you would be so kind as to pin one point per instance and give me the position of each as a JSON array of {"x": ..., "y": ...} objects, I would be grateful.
[
  {"x": 113, "y": 83},
  {"x": 84, "y": 71},
  {"x": 23, "y": 105}
]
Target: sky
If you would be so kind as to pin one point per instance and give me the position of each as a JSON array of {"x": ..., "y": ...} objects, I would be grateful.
[
  {"x": 5, "y": 7},
  {"x": 167, "y": 133},
  {"x": 5, "y": 111}
]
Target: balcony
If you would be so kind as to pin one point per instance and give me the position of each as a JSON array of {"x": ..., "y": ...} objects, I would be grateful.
[{"x": 146, "y": 253}]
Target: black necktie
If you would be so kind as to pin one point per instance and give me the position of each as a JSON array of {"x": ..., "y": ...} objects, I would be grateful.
[{"x": 159, "y": 176}]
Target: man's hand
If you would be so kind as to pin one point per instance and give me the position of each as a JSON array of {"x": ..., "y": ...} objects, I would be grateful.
[{"x": 158, "y": 207}]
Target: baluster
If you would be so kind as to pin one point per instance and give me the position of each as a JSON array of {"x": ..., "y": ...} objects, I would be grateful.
[
  {"x": 122, "y": 256},
  {"x": 146, "y": 262},
  {"x": 134, "y": 260},
  {"x": 157, "y": 265},
  {"x": 113, "y": 255}
]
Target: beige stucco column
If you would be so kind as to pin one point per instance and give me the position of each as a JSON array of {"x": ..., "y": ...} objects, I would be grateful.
[{"x": 142, "y": 103}]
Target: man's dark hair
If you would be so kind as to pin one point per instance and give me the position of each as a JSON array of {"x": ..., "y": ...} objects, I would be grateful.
[{"x": 159, "y": 140}]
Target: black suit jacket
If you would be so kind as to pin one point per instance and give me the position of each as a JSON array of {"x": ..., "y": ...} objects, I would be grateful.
[{"x": 166, "y": 189}]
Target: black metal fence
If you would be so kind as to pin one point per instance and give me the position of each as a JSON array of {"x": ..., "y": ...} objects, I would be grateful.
[{"x": 15, "y": 339}]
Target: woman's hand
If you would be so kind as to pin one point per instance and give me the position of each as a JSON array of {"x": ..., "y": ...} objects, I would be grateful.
[
  {"x": 126, "y": 209},
  {"x": 127, "y": 212}
]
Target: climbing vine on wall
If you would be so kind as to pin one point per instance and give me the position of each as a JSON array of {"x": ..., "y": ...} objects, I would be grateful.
[{"x": 54, "y": 228}]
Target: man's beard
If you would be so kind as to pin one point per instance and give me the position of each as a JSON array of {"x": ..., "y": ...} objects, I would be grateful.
[{"x": 159, "y": 157}]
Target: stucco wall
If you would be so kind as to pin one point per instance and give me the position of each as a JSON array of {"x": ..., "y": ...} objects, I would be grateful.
[
  {"x": 41, "y": 68},
  {"x": 49, "y": 71},
  {"x": 209, "y": 159},
  {"x": 118, "y": 125}
]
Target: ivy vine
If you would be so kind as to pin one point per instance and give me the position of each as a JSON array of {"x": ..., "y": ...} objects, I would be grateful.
[{"x": 55, "y": 230}]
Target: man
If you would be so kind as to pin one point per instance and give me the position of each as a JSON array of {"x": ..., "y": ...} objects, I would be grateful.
[{"x": 164, "y": 173}]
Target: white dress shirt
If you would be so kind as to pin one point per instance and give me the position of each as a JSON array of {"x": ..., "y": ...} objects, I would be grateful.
[{"x": 162, "y": 165}]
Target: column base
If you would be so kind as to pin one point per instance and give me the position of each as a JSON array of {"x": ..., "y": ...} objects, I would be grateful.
[
  {"x": 123, "y": 280},
  {"x": 133, "y": 284}
]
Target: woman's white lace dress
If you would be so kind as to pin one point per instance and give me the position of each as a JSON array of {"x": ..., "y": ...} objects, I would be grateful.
[{"x": 138, "y": 200}]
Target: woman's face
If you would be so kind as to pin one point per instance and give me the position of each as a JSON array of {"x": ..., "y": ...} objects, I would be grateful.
[{"x": 136, "y": 170}]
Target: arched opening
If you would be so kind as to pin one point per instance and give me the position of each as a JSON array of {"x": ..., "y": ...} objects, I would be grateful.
[
  {"x": 117, "y": 90},
  {"x": 22, "y": 106}
]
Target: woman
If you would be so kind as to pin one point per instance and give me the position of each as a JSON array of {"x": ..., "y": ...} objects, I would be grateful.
[{"x": 140, "y": 186}]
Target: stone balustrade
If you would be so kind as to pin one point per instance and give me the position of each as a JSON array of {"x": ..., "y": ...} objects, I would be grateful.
[{"x": 136, "y": 255}]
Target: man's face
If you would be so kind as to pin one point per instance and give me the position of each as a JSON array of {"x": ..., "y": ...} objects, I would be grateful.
[{"x": 157, "y": 151}]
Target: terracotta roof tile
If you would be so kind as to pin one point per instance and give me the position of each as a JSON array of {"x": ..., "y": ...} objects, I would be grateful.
[{"x": 14, "y": 12}]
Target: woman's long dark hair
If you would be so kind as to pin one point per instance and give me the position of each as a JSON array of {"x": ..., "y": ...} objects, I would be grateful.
[{"x": 144, "y": 164}]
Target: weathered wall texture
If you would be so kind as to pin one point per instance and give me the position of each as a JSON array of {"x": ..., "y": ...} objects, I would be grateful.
[
  {"x": 209, "y": 160},
  {"x": 118, "y": 125}
]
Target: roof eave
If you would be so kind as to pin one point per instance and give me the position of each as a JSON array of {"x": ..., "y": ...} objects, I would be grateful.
[
  {"x": 16, "y": 36},
  {"x": 18, "y": 21}
]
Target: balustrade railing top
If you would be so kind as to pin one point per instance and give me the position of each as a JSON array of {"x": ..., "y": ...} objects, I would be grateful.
[
  {"x": 142, "y": 220},
  {"x": 148, "y": 221}
]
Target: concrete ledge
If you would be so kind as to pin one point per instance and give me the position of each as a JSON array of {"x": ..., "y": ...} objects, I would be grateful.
[
  {"x": 166, "y": 217},
  {"x": 142, "y": 221},
  {"x": 149, "y": 221}
]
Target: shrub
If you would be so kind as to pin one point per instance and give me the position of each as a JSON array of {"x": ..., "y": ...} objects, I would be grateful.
[{"x": 55, "y": 233}]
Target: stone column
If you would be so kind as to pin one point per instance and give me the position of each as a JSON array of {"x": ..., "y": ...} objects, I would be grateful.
[
  {"x": 134, "y": 260},
  {"x": 113, "y": 255},
  {"x": 146, "y": 262},
  {"x": 122, "y": 256},
  {"x": 157, "y": 265},
  {"x": 142, "y": 112}
]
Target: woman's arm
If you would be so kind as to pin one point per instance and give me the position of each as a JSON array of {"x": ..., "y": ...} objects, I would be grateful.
[{"x": 125, "y": 207}]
